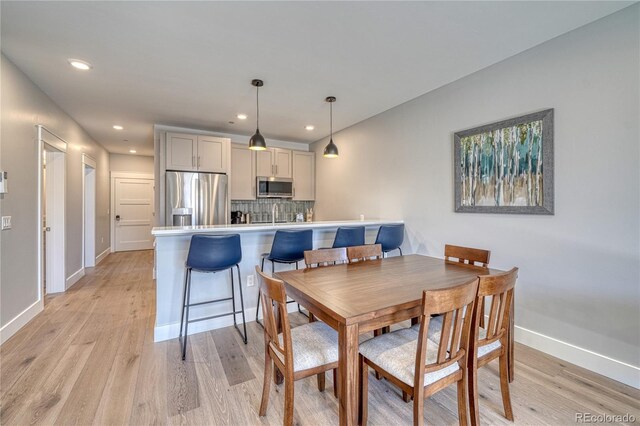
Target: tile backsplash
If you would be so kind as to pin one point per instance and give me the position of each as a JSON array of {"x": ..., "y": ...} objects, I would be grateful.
[{"x": 260, "y": 210}]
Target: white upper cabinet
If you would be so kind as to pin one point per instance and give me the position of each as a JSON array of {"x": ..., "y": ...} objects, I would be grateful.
[
  {"x": 212, "y": 154},
  {"x": 187, "y": 152},
  {"x": 274, "y": 162},
  {"x": 182, "y": 150},
  {"x": 243, "y": 177},
  {"x": 304, "y": 175},
  {"x": 265, "y": 162}
]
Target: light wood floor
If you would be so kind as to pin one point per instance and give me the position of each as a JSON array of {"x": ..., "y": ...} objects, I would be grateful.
[{"x": 90, "y": 358}]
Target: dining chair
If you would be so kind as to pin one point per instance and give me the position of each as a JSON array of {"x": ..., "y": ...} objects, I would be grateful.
[
  {"x": 297, "y": 353},
  {"x": 491, "y": 342},
  {"x": 288, "y": 247},
  {"x": 366, "y": 252},
  {"x": 421, "y": 366},
  {"x": 325, "y": 257},
  {"x": 391, "y": 237},
  {"x": 468, "y": 256},
  {"x": 319, "y": 259}
]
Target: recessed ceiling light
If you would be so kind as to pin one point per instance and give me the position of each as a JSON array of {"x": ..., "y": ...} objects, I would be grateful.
[
  {"x": 117, "y": 127},
  {"x": 79, "y": 64},
  {"x": 309, "y": 127},
  {"x": 242, "y": 116},
  {"x": 133, "y": 151}
]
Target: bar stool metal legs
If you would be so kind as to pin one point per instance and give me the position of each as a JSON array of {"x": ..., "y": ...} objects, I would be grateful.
[
  {"x": 273, "y": 267},
  {"x": 186, "y": 304}
]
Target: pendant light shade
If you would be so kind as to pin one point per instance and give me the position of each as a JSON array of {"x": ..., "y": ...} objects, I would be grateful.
[
  {"x": 257, "y": 142},
  {"x": 331, "y": 150}
]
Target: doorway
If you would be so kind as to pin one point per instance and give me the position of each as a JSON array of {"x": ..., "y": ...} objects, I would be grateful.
[
  {"x": 89, "y": 211},
  {"x": 132, "y": 211},
  {"x": 51, "y": 215}
]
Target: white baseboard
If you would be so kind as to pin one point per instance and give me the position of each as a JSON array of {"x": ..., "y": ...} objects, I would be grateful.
[
  {"x": 171, "y": 331},
  {"x": 103, "y": 255},
  {"x": 74, "y": 278},
  {"x": 601, "y": 364},
  {"x": 10, "y": 328}
]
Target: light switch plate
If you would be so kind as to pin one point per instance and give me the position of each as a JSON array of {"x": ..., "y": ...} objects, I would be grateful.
[
  {"x": 250, "y": 280},
  {"x": 6, "y": 222}
]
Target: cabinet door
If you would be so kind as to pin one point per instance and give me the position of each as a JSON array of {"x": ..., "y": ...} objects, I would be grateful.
[
  {"x": 264, "y": 163},
  {"x": 243, "y": 177},
  {"x": 304, "y": 175},
  {"x": 212, "y": 154},
  {"x": 181, "y": 151},
  {"x": 283, "y": 163}
]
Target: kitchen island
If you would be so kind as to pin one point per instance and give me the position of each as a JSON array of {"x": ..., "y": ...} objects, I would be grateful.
[{"x": 172, "y": 246}]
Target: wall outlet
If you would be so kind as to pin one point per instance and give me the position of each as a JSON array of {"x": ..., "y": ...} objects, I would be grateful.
[
  {"x": 6, "y": 222},
  {"x": 251, "y": 280}
]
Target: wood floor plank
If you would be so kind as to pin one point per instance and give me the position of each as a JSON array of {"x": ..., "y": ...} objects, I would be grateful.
[
  {"x": 233, "y": 360},
  {"x": 89, "y": 358}
]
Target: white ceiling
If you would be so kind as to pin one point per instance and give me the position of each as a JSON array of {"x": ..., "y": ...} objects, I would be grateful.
[{"x": 190, "y": 64}]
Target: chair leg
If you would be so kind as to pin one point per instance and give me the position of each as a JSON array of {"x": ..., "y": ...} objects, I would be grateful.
[
  {"x": 184, "y": 302},
  {"x": 400, "y": 251},
  {"x": 244, "y": 322},
  {"x": 462, "y": 399},
  {"x": 321, "y": 381},
  {"x": 472, "y": 389},
  {"x": 363, "y": 409},
  {"x": 418, "y": 407},
  {"x": 406, "y": 397},
  {"x": 186, "y": 323},
  {"x": 504, "y": 387},
  {"x": 266, "y": 384},
  {"x": 335, "y": 382},
  {"x": 288, "y": 401},
  {"x": 258, "y": 304}
]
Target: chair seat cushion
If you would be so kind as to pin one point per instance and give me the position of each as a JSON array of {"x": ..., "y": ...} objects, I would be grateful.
[
  {"x": 314, "y": 344},
  {"x": 396, "y": 353},
  {"x": 435, "y": 329}
]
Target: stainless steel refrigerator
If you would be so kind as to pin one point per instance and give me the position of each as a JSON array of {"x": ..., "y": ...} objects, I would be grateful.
[{"x": 196, "y": 199}]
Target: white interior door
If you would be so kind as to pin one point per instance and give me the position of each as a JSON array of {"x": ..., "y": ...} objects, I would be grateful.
[
  {"x": 133, "y": 202},
  {"x": 54, "y": 220},
  {"x": 89, "y": 215}
]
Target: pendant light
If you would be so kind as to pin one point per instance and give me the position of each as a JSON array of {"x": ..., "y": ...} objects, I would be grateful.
[
  {"x": 257, "y": 142},
  {"x": 331, "y": 150}
]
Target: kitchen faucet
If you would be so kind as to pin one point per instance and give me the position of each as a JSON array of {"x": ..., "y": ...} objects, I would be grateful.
[{"x": 274, "y": 213}]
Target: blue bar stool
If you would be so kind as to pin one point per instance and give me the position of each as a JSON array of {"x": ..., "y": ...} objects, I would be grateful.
[
  {"x": 349, "y": 236},
  {"x": 212, "y": 253},
  {"x": 288, "y": 247},
  {"x": 391, "y": 237}
]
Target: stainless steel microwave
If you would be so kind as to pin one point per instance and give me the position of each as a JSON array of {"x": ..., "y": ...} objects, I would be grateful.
[{"x": 274, "y": 187}]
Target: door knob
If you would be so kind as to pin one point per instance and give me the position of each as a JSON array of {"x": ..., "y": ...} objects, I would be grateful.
[{"x": 117, "y": 217}]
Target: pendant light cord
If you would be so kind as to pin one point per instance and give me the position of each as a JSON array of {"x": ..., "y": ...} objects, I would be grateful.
[
  {"x": 331, "y": 119},
  {"x": 257, "y": 107}
]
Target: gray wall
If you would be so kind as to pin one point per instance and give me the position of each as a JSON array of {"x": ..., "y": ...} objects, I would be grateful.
[
  {"x": 24, "y": 105},
  {"x": 131, "y": 163},
  {"x": 580, "y": 269}
]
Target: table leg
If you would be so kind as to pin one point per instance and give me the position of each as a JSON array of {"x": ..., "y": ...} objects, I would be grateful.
[
  {"x": 511, "y": 341},
  {"x": 348, "y": 371}
]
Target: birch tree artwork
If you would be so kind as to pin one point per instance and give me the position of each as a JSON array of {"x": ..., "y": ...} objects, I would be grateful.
[{"x": 505, "y": 167}]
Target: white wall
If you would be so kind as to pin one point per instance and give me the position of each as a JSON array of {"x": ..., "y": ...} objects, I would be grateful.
[
  {"x": 23, "y": 106},
  {"x": 579, "y": 269},
  {"x": 130, "y": 163}
]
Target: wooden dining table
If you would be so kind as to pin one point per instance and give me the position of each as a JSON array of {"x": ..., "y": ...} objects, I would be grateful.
[{"x": 359, "y": 297}]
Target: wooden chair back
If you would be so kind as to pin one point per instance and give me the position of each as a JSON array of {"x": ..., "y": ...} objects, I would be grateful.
[
  {"x": 455, "y": 304},
  {"x": 500, "y": 288},
  {"x": 274, "y": 311},
  {"x": 366, "y": 252},
  {"x": 467, "y": 256},
  {"x": 325, "y": 257}
]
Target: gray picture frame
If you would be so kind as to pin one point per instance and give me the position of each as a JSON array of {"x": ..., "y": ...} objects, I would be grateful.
[{"x": 547, "y": 207}]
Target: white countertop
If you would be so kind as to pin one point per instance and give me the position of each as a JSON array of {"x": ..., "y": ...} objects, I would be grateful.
[{"x": 167, "y": 231}]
